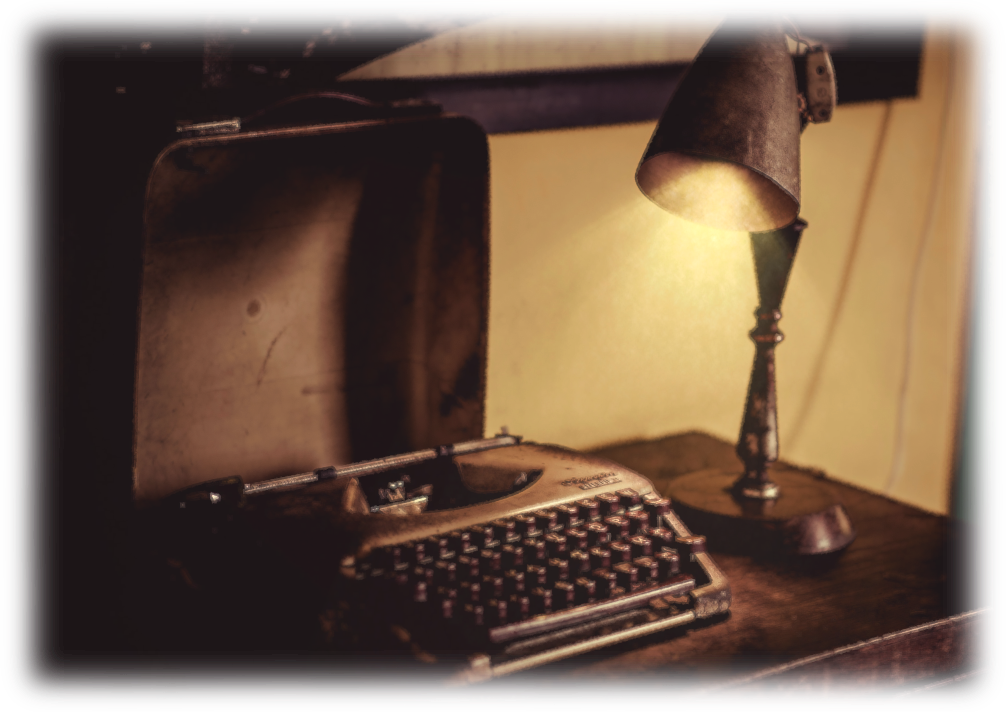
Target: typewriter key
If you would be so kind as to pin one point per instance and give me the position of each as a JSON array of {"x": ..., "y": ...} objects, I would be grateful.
[
  {"x": 492, "y": 587},
  {"x": 496, "y": 611},
  {"x": 619, "y": 527},
  {"x": 422, "y": 573},
  {"x": 563, "y": 595},
  {"x": 584, "y": 590},
  {"x": 626, "y": 575},
  {"x": 620, "y": 551},
  {"x": 598, "y": 534},
  {"x": 518, "y": 607},
  {"x": 567, "y": 515},
  {"x": 605, "y": 581},
  {"x": 588, "y": 509},
  {"x": 526, "y": 526},
  {"x": 639, "y": 522},
  {"x": 420, "y": 592},
  {"x": 545, "y": 519},
  {"x": 514, "y": 582},
  {"x": 447, "y": 608},
  {"x": 436, "y": 547},
  {"x": 609, "y": 504},
  {"x": 557, "y": 570},
  {"x": 691, "y": 544},
  {"x": 489, "y": 561},
  {"x": 580, "y": 562},
  {"x": 473, "y": 615},
  {"x": 512, "y": 556},
  {"x": 647, "y": 569},
  {"x": 534, "y": 550},
  {"x": 628, "y": 498},
  {"x": 444, "y": 573},
  {"x": 668, "y": 564},
  {"x": 556, "y": 544},
  {"x": 661, "y": 538},
  {"x": 639, "y": 546},
  {"x": 656, "y": 508},
  {"x": 503, "y": 529},
  {"x": 467, "y": 568},
  {"x": 576, "y": 539},
  {"x": 540, "y": 600},
  {"x": 599, "y": 558},
  {"x": 480, "y": 535},
  {"x": 470, "y": 591},
  {"x": 459, "y": 543},
  {"x": 535, "y": 575}
]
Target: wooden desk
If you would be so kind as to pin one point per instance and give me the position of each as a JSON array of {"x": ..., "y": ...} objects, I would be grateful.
[{"x": 905, "y": 571}]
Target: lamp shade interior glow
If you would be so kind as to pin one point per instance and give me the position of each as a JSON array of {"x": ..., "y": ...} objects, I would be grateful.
[{"x": 716, "y": 193}]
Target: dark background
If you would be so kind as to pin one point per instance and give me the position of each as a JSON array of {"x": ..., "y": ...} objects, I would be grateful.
[{"x": 106, "y": 106}]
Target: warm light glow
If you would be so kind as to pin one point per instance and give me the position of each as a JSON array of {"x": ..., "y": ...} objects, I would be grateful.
[{"x": 716, "y": 193}]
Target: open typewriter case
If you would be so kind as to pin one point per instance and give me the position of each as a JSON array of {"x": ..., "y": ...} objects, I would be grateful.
[{"x": 314, "y": 296}]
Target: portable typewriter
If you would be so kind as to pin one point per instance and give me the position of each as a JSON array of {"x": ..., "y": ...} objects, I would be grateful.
[{"x": 512, "y": 554}]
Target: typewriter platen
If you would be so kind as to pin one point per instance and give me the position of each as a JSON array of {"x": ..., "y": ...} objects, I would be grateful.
[{"x": 505, "y": 553}]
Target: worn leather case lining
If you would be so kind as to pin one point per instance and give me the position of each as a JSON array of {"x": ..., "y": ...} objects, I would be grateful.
[{"x": 311, "y": 296}]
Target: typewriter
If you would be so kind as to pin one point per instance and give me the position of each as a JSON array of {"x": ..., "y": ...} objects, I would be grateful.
[{"x": 498, "y": 554}]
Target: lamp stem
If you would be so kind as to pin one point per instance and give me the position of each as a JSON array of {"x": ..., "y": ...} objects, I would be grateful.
[{"x": 773, "y": 255}]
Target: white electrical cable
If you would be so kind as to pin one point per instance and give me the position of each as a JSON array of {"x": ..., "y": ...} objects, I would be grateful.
[{"x": 899, "y": 454}]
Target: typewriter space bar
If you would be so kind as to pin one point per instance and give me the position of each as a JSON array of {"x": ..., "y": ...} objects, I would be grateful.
[{"x": 679, "y": 586}]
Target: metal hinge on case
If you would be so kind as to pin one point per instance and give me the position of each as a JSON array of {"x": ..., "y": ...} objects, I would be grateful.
[{"x": 208, "y": 128}]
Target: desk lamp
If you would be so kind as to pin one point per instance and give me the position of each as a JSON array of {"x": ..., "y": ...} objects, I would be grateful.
[{"x": 726, "y": 154}]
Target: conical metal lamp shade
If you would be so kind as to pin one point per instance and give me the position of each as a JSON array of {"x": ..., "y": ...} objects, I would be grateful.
[{"x": 726, "y": 151}]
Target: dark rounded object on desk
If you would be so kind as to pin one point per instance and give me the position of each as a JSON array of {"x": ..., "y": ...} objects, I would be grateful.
[
  {"x": 804, "y": 520},
  {"x": 639, "y": 546}
]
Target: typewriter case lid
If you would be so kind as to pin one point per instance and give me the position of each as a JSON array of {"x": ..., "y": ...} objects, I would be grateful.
[{"x": 310, "y": 296}]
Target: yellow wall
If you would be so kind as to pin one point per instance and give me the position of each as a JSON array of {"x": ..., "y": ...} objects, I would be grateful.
[{"x": 612, "y": 320}]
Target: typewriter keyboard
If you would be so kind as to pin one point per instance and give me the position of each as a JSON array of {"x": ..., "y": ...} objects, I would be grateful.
[{"x": 555, "y": 569}]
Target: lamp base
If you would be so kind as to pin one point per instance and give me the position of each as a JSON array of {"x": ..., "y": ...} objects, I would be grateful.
[{"x": 803, "y": 520}]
